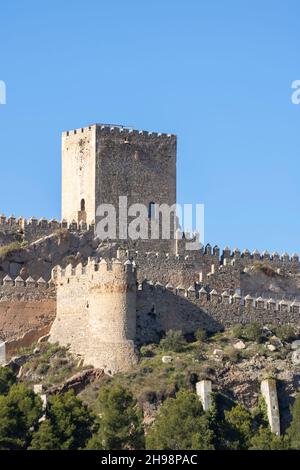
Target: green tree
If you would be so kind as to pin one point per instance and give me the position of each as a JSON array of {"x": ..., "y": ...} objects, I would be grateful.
[
  {"x": 174, "y": 341},
  {"x": 7, "y": 379},
  {"x": 20, "y": 411},
  {"x": 45, "y": 438},
  {"x": 181, "y": 424},
  {"x": 238, "y": 427},
  {"x": 120, "y": 422},
  {"x": 69, "y": 424},
  {"x": 266, "y": 440},
  {"x": 294, "y": 429}
]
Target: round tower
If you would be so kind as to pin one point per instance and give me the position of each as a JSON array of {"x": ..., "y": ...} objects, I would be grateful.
[{"x": 111, "y": 315}]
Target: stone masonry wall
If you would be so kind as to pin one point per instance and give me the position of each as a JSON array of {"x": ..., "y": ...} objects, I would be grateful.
[
  {"x": 25, "y": 307},
  {"x": 12, "y": 229},
  {"x": 161, "y": 308}
]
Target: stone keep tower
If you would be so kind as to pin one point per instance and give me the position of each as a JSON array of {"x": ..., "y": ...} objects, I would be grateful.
[
  {"x": 101, "y": 163},
  {"x": 96, "y": 313}
]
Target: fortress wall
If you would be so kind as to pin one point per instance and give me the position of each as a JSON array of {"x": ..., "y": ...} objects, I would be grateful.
[
  {"x": 70, "y": 325},
  {"x": 25, "y": 309},
  {"x": 163, "y": 308},
  {"x": 12, "y": 229}
]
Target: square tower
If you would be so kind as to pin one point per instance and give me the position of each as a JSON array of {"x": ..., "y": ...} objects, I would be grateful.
[{"x": 100, "y": 163}]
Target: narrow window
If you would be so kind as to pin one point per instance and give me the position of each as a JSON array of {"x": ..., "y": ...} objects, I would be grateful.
[
  {"x": 82, "y": 205},
  {"x": 151, "y": 210}
]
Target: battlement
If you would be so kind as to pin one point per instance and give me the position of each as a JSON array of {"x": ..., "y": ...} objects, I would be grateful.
[
  {"x": 31, "y": 290},
  {"x": 113, "y": 271},
  {"x": 226, "y": 257},
  {"x": 19, "y": 283},
  {"x": 53, "y": 224},
  {"x": 265, "y": 256},
  {"x": 33, "y": 228},
  {"x": 116, "y": 130},
  {"x": 213, "y": 297}
]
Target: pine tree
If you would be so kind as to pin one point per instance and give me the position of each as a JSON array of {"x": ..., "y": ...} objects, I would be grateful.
[
  {"x": 120, "y": 423},
  {"x": 7, "y": 379},
  {"x": 181, "y": 424},
  {"x": 294, "y": 429},
  {"x": 20, "y": 411},
  {"x": 69, "y": 424}
]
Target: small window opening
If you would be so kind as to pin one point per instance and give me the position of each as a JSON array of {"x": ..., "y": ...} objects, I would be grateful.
[
  {"x": 151, "y": 210},
  {"x": 82, "y": 205}
]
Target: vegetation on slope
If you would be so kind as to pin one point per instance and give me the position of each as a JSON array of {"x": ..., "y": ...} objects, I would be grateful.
[{"x": 154, "y": 406}]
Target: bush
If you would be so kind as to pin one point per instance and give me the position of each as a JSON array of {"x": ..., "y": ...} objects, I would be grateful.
[
  {"x": 146, "y": 351},
  {"x": 265, "y": 268},
  {"x": 10, "y": 249},
  {"x": 285, "y": 333},
  {"x": 42, "y": 368},
  {"x": 200, "y": 335},
  {"x": 174, "y": 341},
  {"x": 237, "y": 331},
  {"x": 231, "y": 354},
  {"x": 253, "y": 332},
  {"x": 294, "y": 429}
]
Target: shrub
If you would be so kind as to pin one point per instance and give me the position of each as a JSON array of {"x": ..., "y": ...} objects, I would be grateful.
[
  {"x": 174, "y": 341},
  {"x": 252, "y": 332},
  {"x": 231, "y": 354},
  {"x": 265, "y": 269},
  {"x": 10, "y": 249},
  {"x": 285, "y": 332},
  {"x": 237, "y": 331},
  {"x": 200, "y": 335},
  {"x": 294, "y": 429},
  {"x": 146, "y": 351}
]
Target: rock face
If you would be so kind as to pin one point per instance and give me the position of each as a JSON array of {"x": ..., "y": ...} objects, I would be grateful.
[
  {"x": 78, "y": 382},
  {"x": 295, "y": 344},
  {"x": 264, "y": 280},
  {"x": 241, "y": 381},
  {"x": 296, "y": 357}
]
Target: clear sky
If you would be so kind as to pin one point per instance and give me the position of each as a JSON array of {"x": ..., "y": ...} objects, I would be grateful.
[{"x": 217, "y": 73}]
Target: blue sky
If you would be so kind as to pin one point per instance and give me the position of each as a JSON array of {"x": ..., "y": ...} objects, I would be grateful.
[{"x": 217, "y": 73}]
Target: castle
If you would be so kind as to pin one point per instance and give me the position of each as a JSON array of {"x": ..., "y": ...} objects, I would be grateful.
[{"x": 129, "y": 292}]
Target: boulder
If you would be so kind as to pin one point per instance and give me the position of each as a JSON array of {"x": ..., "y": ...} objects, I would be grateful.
[
  {"x": 266, "y": 331},
  {"x": 296, "y": 357},
  {"x": 166, "y": 359},
  {"x": 239, "y": 345},
  {"x": 271, "y": 347},
  {"x": 295, "y": 344},
  {"x": 276, "y": 342},
  {"x": 218, "y": 352}
]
